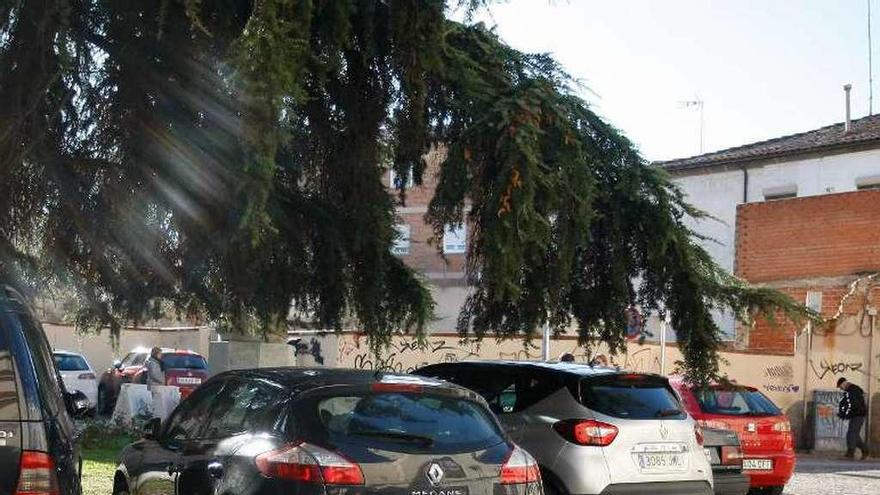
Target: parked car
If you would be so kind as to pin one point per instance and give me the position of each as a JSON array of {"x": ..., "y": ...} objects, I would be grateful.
[
  {"x": 77, "y": 374},
  {"x": 593, "y": 430},
  {"x": 183, "y": 368},
  {"x": 327, "y": 431},
  {"x": 764, "y": 431},
  {"x": 38, "y": 449},
  {"x": 725, "y": 455}
]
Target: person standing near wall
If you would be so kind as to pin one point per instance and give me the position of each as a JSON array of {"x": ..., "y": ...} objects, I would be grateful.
[
  {"x": 155, "y": 370},
  {"x": 853, "y": 408}
]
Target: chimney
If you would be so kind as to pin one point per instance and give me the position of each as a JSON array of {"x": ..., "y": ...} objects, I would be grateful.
[{"x": 847, "y": 126}]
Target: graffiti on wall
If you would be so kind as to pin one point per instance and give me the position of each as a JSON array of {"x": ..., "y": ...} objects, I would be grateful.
[
  {"x": 829, "y": 429},
  {"x": 312, "y": 348},
  {"x": 408, "y": 354},
  {"x": 829, "y": 368},
  {"x": 779, "y": 378}
]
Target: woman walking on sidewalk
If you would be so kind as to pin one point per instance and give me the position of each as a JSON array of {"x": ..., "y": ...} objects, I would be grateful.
[{"x": 853, "y": 408}]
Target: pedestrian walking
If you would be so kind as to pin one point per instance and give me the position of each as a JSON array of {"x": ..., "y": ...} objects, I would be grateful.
[
  {"x": 155, "y": 369},
  {"x": 853, "y": 408}
]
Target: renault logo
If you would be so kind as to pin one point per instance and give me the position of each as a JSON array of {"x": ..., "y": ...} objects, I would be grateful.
[
  {"x": 434, "y": 474},
  {"x": 664, "y": 431}
]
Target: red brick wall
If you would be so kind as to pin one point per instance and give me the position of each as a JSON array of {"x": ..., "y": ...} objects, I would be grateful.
[
  {"x": 423, "y": 253},
  {"x": 789, "y": 242},
  {"x": 817, "y": 236}
]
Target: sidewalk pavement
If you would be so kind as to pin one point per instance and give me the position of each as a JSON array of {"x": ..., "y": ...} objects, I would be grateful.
[{"x": 824, "y": 474}]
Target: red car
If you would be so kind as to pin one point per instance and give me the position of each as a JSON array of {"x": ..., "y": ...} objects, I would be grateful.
[
  {"x": 183, "y": 368},
  {"x": 764, "y": 431}
]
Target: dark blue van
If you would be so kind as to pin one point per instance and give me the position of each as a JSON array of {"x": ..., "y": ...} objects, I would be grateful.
[{"x": 38, "y": 452}]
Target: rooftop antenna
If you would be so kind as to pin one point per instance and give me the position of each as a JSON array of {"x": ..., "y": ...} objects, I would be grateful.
[
  {"x": 870, "y": 66},
  {"x": 698, "y": 104}
]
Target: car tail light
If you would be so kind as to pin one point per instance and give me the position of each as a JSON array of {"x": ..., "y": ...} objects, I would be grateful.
[
  {"x": 714, "y": 424},
  {"x": 586, "y": 432},
  {"x": 519, "y": 468},
  {"x": 309, "y": 464},
  {"x": 37, "y": 475},
  {"x": 86, "y": 376},
  {"x": 731, "y": 456},
  {"x": 698, "y": 432},
  {"x": 782, "y": 427}
]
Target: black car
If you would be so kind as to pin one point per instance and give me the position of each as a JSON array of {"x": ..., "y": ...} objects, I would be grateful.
[
  {"x": 327, "y": 432},
  {"x": 725, "y": 455},
  {"x": 38, "y": 453}
]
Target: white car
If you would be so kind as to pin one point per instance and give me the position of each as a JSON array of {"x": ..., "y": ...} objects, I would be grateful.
[{"x": 77, "y": 374}]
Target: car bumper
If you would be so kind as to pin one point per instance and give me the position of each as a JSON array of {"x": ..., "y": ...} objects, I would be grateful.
[
  {"x": 664, "y": 488},
  {"x": 731, "y": 484},
  {"x": 783, "y": 469}
]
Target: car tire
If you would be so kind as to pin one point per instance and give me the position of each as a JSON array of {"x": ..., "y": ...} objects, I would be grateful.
[
  {"x": 767, "y": 490},
  {"x": 120, "y": 487}
]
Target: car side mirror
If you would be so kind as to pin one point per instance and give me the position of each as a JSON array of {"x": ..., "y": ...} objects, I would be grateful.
[
  {"x": 78, "y": 404},
  {"x": 152, "y": 429},
  {"x": 117, "y": 364}
]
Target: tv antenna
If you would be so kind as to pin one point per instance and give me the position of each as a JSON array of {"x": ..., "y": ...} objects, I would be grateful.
[{"x": 697, "y": 104}]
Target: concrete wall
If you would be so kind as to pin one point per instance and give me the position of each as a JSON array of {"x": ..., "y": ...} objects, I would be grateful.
[{"x": 99, "y": 351}]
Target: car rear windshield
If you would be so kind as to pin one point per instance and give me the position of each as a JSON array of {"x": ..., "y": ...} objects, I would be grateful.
[
  {"x": 68, "y": 362},
  {"x": 735, "y": 402},
  {"x": 186, "y": 361},
  {"x": 631, "y": 396},
  {"x": 408, "y": 421}
]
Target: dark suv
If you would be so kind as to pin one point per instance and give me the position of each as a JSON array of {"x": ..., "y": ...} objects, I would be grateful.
[
  {"x": 327, "y": 432},
  {"x": 38, "y": 453}
]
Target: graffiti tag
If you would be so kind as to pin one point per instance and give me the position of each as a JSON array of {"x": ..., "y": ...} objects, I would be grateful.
[{"x": 838, "y": 368}]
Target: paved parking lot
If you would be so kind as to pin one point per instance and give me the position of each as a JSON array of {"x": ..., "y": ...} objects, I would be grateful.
[{"x": 824, "y": 476}]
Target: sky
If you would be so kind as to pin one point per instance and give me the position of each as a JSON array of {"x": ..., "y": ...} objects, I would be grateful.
[{"x": 763, "y": 68}]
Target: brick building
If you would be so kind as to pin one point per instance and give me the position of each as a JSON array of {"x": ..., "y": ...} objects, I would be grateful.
[
  {"x": 828, "y": 246},
  {"x": 418, "y": 248},
  {"x": 837, "y": 158}
]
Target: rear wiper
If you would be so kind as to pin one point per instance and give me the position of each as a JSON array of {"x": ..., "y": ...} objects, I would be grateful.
[
  {"x": 394, "y": 435},
  {"x": 665, "y": 413}
]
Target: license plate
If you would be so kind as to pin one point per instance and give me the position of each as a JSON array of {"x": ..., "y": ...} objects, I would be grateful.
[
  {"x": 757, "y": 464},
  {"x": 662, "y": 462},
  {"x": 189, "y": 380},
  {"x": 441, "y": 491}
]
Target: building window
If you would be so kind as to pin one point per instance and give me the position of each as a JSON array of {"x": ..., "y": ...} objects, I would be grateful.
[
  {"x": 455, "y": 239},
  {"x": 394, "y": 179},
  {"x": 781, "y": 192},
  {"x": 402, "y": 241},
  {"x": 868, "y": 183}
]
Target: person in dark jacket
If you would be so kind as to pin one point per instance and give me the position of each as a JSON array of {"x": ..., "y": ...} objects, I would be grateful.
[{"x": 853, "y": 408}]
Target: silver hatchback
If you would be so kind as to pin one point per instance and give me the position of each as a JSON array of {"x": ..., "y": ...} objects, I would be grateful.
[{"x": 593, "y": 430}]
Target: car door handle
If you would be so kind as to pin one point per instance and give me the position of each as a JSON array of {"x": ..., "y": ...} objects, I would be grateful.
[{"x": 215, "y": 470}]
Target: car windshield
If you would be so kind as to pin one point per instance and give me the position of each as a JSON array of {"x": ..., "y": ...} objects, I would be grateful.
[
  {"x": 631, "y": 396},
  {"x": 70, "y": 362},
  {"x": 185, "y": 361},
  {"x": 407, "y": 421},
  {"x": 735, "y": 402}
]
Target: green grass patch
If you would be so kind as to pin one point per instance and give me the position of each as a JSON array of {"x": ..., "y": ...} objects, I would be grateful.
[
  {"x": 101, "y": 444},
  {"x": 99, "y": 466}
]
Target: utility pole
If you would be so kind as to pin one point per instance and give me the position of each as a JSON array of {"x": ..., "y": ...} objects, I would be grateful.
[{"x": 870, "y": 66}]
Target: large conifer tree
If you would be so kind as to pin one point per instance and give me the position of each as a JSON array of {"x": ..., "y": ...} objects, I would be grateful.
[{"x": 227, "y": 155}]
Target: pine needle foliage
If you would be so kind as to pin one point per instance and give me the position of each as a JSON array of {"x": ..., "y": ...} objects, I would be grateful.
[{"x": 227, "y": 156}]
